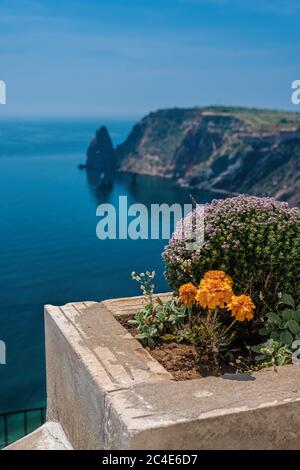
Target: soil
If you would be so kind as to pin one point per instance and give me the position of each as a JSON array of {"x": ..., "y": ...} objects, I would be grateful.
[{"x": 179, "y": 359}]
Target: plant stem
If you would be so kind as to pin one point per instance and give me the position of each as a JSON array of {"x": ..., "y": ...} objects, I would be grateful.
[
  {"x": 231, "y": 324},
  {"x": 190, "y": 311},
  {"x": 215, "y": 313}
]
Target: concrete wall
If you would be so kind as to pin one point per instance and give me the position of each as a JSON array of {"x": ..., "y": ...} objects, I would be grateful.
[{"x": 109, "y": 393}]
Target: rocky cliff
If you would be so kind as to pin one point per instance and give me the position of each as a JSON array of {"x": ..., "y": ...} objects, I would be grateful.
[
  {"x": 236, "y": 150},
  {"x": 101, "y": 157}
]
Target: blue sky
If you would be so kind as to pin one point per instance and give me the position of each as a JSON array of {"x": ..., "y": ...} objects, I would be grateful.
[{"x": 128, "y": 57}]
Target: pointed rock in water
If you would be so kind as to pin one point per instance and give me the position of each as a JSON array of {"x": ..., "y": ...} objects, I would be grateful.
[{"x": 101, "y": 154}]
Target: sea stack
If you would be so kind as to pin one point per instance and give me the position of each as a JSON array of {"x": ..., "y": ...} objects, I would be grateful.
[{"x": 101, "y": 157}]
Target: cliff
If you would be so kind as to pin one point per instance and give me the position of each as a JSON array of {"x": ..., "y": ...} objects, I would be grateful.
[
  {"x": 237, "y": 150},
  {"x": 101, "y": 158}
]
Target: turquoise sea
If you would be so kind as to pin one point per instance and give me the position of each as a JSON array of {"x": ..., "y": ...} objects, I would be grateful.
[{"x": 49, "y": 252}]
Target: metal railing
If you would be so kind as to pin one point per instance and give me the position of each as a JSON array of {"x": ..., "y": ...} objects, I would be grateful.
[{"x": 17, "y": 424}]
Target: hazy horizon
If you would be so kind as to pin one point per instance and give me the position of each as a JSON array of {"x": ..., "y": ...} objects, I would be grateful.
[{"x": 109, "y": 117}]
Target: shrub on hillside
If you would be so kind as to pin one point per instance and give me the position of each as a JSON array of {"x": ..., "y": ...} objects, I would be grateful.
[{"x": 255, "y": 240}]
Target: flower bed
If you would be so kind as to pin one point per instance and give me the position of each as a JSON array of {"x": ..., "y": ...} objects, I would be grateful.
[
  {"x": 235, "y": 300},
  {"x": 124, "y": 399}
]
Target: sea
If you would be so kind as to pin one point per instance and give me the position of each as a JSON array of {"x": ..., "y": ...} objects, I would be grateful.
[{"x": 49, "y": 251}]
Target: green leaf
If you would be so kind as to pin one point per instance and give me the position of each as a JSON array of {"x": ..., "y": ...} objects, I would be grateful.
[
  {"x": 274, "y": 317},
  {"x": 280, "y": 360},
  {"x": 275, "y": 335},
  {"x": 264, "y": 331},
  {"x": 286, "y": 337},
  {"x": 140, "y": 336},
  {"x": 296, "y": 315},
  {"x": 270, "y": 343},
  {"x": 256, "y": 348},
  {"x": 293, "y": 326},
  {"x": 287, "y": 314},
  {"x": 287, "y": 299},
  {"x": 260, "y": 357}
]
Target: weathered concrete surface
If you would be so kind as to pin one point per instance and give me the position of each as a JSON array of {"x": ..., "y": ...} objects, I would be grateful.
[
  {"x": 109, "y": 393},
  {"x": 130, "y": 305},
  {"x": 90, "y": 356},
  {"x": 218, "y": 413},
  {"x": 50, "y": 436}
]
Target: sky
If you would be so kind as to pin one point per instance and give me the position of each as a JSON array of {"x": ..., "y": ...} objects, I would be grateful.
[{"x": 125, "y": 58}]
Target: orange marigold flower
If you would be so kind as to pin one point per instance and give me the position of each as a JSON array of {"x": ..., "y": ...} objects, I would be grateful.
[
  {"x": 218, "y": 275},
  {"x": 214, "y": 292},
  {"x": 187, "y": 294},
  {"x": 241, "y": 307}
]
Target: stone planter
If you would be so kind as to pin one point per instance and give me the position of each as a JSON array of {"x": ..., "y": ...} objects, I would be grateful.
[{"x": 107, "y": 392}]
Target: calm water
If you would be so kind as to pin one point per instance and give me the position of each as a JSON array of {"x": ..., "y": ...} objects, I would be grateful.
[{"x": 49, "y": 250}]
